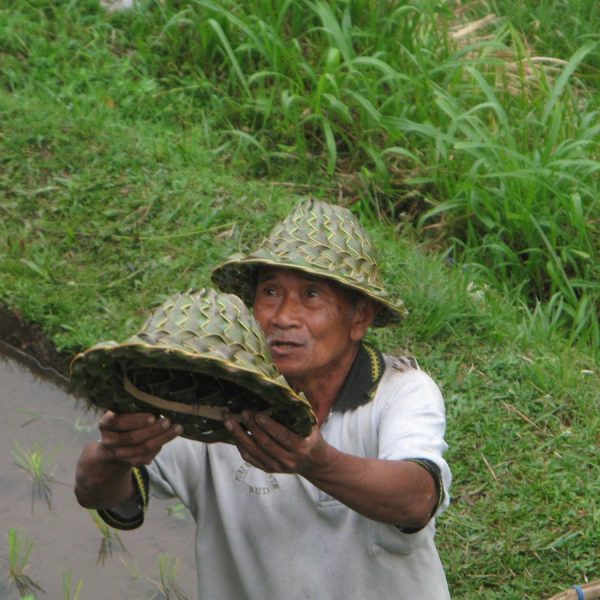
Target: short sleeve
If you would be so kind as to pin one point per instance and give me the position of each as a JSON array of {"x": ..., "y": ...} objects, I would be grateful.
[{"x": 412, "y": 422}]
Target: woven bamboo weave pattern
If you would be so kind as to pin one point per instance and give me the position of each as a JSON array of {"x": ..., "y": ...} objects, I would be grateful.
[
  {"x": 320, "y": 239},
  {"x": 198, "y": 358}
]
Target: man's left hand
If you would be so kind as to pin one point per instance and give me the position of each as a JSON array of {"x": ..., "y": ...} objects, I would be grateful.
[{"x": 268, "y": 445}]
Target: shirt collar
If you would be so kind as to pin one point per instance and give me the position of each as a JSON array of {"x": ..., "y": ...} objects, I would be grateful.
[{"x": 362, "y": 380}]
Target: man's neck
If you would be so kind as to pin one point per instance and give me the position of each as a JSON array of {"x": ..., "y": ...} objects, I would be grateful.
[{"x": 322, "y": 390}]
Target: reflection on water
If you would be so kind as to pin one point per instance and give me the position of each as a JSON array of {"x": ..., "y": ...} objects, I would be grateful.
[{"x": 40, "y": 420}]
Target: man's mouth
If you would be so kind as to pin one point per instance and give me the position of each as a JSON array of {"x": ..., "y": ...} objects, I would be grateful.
[{"x": 283, "y": 345}]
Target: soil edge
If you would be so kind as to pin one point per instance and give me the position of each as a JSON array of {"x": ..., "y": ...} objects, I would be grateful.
[{"x": 27, "y": 343}]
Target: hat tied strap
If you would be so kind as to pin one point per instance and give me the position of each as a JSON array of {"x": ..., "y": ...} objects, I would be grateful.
[{"x": 207, "y": 411}]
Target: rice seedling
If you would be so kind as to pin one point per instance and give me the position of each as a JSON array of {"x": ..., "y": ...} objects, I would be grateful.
[
  {"x": 167, "y": 584},
  {"x": 19, "y": 551},
  {"x": 110, "y": 539},
  {"x": 178, "y": 511},
  {"x": 68, "y": 593},
  {"x": 79, "y": 425},
  {"x": 34, "y": 462}
]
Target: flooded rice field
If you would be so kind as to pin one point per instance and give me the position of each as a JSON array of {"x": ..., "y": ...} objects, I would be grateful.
[{"x": 42, "y": 430}]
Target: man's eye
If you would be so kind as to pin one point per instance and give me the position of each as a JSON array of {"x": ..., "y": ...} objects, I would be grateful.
[{"x": 312, "y": 293}]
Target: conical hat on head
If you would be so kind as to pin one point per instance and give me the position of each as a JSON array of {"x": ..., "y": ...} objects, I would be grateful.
[
  {"x": 199, "y": 358},
  {"x": 320, "y": 239}
]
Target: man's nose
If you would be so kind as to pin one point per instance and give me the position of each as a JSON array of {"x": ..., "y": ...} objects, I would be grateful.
[{"x": 287, "y": 313}]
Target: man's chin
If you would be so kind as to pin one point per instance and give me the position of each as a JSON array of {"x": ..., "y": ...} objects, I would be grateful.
[{"x": 288, "y": 368}]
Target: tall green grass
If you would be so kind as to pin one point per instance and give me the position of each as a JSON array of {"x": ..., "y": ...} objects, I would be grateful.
[
  {"x": 523, "y": 206},
  {"x": 389, "y": 99}
]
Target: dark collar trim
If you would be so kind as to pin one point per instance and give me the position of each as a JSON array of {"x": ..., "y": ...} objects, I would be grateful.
[{"x": 362, "y": 380}]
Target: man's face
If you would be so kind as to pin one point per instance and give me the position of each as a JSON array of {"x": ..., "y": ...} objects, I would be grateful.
[{"x": 310, "y": 323}]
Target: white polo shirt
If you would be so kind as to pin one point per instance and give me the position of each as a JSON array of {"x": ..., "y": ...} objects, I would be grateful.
[{"x": 262, "y": 536}]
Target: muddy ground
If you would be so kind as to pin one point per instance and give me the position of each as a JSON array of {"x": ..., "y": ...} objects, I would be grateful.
[{"x": 31, "y": 342}]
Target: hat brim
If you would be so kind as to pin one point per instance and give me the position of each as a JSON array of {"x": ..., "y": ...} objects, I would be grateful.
[
  {"x": 238, "y": 276},
  {"x": 100, "y": 373}
]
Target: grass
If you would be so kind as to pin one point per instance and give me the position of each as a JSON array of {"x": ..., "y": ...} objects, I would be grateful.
[
  {"x": 127, "y": 145},
  {"x": 485, "y": 135},
  {"x": 523, "y": 467},
  {"x": 556, "y": 28}
]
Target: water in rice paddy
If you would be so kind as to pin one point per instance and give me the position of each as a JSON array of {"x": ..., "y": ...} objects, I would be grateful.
[{"x": 38, "y": 415}]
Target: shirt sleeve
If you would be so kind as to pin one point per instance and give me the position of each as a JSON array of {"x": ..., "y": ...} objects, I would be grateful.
[
  {"x": 175, "y": 471},
  {"x": 118, "y": 520},
  {"x": 412, "y": 424}
]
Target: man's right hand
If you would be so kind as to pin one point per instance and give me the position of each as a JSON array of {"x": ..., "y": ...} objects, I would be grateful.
[
  {"x": 134, "y": 438},
  {"x": 103, "y": 477}
]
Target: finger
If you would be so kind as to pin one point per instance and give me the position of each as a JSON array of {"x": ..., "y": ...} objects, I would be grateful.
[
  {"x": 263, "y": 449},
  {"x": 111, "y": 421},
  {"x": 276, "y": 431},
  {"x": 125, "y": 429},
  {"x": 248, "y": 448},
  {"x": 292, "y": 452},
  {"x": 136, "y": 437},
  {"x": 273, "y": 438},
  {"x": 146, "y": 450}
]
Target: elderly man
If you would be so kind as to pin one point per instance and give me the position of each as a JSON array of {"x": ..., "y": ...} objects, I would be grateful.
[{"x": 346, "y": 512}]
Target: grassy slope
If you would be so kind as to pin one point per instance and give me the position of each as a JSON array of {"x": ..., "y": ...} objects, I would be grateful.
[{"x": 103, "y": 215}]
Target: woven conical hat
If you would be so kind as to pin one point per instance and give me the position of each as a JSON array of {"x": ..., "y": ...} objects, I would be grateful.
[
  {"x": 320, "y": 239},
  {"x": 199, "y": 358}
]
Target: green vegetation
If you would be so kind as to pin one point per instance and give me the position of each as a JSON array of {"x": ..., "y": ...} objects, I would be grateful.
[
  {"x": 34, "y": 462},
  {"x": 168, "y": 568},
  {"x": 177, "y": 510},
  {"x": 19, "y": 550},
  {"x": 448, "y": 119},
  {"x": 110, "y": 539},
  {"x": 165, "y": 584},
  {"x": 129, "y": 149},
  {"x": 68, "y": 587}
]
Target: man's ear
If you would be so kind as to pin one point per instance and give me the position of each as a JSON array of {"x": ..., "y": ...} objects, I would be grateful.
[{"x": 363, "y": 317}]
